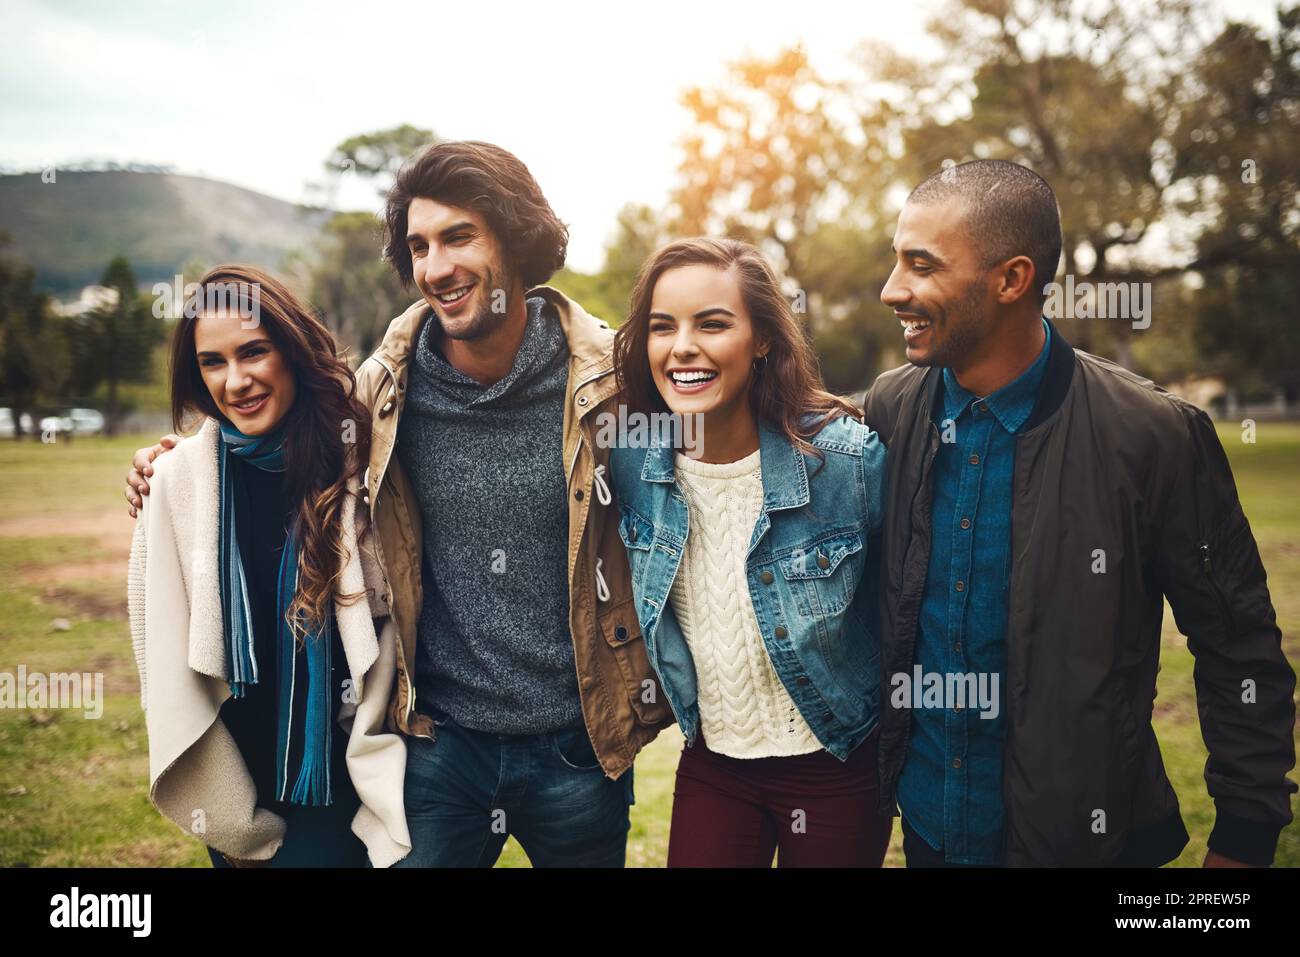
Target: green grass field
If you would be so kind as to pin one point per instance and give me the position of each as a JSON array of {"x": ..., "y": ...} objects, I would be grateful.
[{"x": 73, "y": 791}]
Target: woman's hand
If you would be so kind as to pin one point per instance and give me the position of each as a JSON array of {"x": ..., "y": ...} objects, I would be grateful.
[{"x": 137, "y": 482}]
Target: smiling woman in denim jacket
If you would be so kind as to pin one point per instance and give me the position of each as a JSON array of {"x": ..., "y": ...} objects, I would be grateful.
[{"x": 748, "y": 548}]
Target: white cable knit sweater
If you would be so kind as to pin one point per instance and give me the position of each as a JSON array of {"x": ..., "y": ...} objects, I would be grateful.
[{"x": 745, "y": 711}]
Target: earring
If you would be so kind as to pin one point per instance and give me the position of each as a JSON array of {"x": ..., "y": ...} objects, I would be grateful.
[{"x": 760, "y": 368}]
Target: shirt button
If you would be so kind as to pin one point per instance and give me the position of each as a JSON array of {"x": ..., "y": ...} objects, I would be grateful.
[
  {"x": 965, "y": 523},
  {"x": 961, "y": 586},
  {"x": 956, "y": 762},
  {"x": 780, "y": 631},
  {"x": 974, "y": 460},
  {"x": 766, "y": 576},
  {"x": 957, "y": 646},
  {"x": 823, "y": 561},
  {"x": 578, "y": 495},
  {"x": 620, "y": 633},
  {"x": 981, "y": 407}
]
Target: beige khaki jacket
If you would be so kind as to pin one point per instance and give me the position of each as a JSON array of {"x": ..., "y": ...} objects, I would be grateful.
[{"x": 622, "y": 705}]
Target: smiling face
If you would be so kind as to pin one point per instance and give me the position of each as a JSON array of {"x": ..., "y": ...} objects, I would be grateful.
[
  {"x": 247, "y": 375},
  {"x": 460, "y": 268},
  {"x": 938, "y": 289},
  {"x": 702, "y": 343}
]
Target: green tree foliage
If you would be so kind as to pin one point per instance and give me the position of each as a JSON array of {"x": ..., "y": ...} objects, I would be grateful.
[
  {"x": 115, "y": 343},
  {"x": 771, "y": 160},
  {"x": 33, "y": 353},
  {"x": 1140, "y": 115},
  {"x": 379, "y": 155},
  {"x": 355, "y": 290},
  {"x": 607, "y": 293},
  {"x": 1236, "y": 140}
]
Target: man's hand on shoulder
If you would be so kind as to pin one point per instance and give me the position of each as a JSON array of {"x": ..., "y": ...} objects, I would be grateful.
[{"x": 137, "y": 480}]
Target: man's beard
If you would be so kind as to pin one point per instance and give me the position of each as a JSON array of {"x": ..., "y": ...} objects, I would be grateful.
[
  {"x": 964, "y": 327},
  {"x": 486, "y": 320}
]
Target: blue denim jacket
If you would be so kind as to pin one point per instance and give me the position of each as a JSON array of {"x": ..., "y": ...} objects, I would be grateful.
[{"x": 807, "y": 556}]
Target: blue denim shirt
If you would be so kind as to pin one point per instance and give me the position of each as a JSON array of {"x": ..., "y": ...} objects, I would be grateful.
[
  {"x": 950, "y": 789},
  {"x": 807, "y": 554}
]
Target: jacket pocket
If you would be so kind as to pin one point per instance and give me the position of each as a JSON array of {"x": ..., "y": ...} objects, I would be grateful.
[
  {"x": 823, "y": 575},
  {"x": 622, "y": 633},
  {"x": 636, "y": 532}
]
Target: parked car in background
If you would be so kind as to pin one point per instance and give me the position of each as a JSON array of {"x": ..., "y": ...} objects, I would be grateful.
[
  {"x": 67, "y": 422},
  {"x": 57, "y": 425},
  {"x": 7, "y": 430},
  {"x": 86, "y": 421}
]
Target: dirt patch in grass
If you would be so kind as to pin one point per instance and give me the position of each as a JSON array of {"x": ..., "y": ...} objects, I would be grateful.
[
  {"x": 102, "y": 570},
  {"x": 92, "y": 604},
  {"x": 111, "y": 528}
]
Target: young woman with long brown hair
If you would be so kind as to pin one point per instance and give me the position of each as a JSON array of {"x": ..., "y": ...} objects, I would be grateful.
[
  {"x": 749, "y": 561},
  {"x": 261, "y": 674}
]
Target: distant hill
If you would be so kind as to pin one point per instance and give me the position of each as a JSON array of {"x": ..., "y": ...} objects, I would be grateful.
[{"x": 68, "y": 230}]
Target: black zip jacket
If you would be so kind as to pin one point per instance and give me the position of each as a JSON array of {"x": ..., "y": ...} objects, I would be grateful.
[{"x": 1107, "y": 465}]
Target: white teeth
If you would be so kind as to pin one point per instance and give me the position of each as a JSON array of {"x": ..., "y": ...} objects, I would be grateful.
[
  {"x": 916, "y": 324},
  {"x": 454, "y": 296},
  {"x": 685, "y": 377}
]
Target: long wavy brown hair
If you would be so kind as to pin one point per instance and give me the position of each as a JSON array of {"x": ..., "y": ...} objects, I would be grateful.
[
  {"x": 326, "y": 430},
  {"x": 787, "y": 388}
]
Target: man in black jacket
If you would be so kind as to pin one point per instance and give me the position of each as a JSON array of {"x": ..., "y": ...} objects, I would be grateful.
[{"x": 1042, "y": 505}]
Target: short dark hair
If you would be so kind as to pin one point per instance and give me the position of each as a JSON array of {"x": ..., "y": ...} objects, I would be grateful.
[
  {"x": 1010, "y": 211},
  {"x": 493, "y": 183}
]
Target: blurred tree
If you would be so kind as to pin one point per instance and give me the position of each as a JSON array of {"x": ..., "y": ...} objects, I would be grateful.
[
  {"x": 33, "y": 354},
  {"x": 355, "y": 290},
  {"x": 1133, "y": 113},
  {"x": 115, "y": 342},
  {"x": 607, "y": 293},
  {"x": 378, "y": 156},
  {"x": 770, "y": 160},
  {"x": 1236, "y": 141}
]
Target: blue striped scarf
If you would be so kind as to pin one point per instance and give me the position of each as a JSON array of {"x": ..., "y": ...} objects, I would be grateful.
[{"x": 303, "y": 709}]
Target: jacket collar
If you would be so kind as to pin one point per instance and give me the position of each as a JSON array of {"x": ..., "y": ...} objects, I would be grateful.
[
  {"x": 1051, "y": 390},
  {"x": 785, "y": 476},
  {"x": 587, "y": 337}
]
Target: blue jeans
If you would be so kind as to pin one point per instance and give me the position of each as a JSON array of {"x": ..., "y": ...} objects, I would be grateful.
[{"x": 469, "y": 790}]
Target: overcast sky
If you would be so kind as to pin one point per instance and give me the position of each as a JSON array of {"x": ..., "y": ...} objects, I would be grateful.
[{"x": 257, "y": 93}]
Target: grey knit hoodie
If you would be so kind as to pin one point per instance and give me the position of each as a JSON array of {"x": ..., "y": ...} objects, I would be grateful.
[{"x": 495, "y": 653}]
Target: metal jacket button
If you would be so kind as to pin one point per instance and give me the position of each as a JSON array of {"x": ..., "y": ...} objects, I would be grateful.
[
  {"x": 823, "y": 561},
  {"x": 620, "y": 633},
  {"x": 780, "y": 631},
  {"x": 767, "y": 577}
]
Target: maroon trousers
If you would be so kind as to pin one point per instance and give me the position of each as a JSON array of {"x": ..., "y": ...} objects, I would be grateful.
[{"x": 813, "y": 808}]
